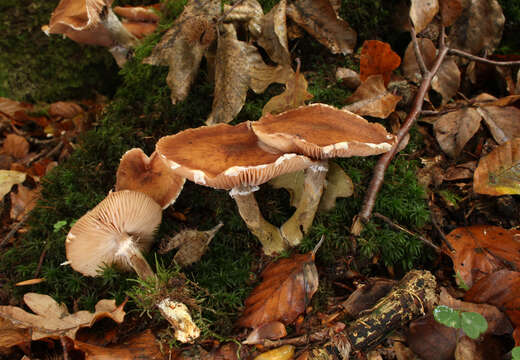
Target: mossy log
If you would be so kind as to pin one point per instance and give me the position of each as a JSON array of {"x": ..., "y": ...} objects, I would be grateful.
[{"x": 408, "y": 300}]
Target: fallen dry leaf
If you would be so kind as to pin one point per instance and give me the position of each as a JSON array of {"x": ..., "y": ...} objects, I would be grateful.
[
  {"x": 274, "y": 34},
  {"x": 498, "y": 324},
  {"x": 447, "y": 80},
  {"x": 141, "y": 346},
  {"x": 9, "y": 108},
  {"x": 454, "y": 129},
  {"x": 139, "y": 13},
  {"x": 65, "y": 109},
  {"x": 372, "y": 98},
  {"x": 15, "y": 146},
  {"x": 149, "y": 175},
  {"x": 287, "y": 287},
  {"x": 249, "y": 11},
  {"x": 410, "y": 66},
  {"x": 8, "y": 178},
  {"x": 273, "y": 331},
  {"x": 498, "y": 173},
  {"x": 501, "y": 289},
  {"x": 284, "y": 352},
  {"x": 10, "y": 335},
  {"x": 319, "y": 19},
  {"x": 51, "y": 319},
  {"x": 294, "y": 95},
  {"x": 377, "y": 57},
  {"x": 366, "y": 296},
  {"x": 450, "y": 10},
  {"x": 503, "y": 122},
  {"x": 480, "y": 250},
  {"x": 486, "y": 19},
  {"x": 23, "y": 201},
  {"x": 431, "y": 340},
  {"x": 348, "y": 77},
  {"x": 422, "y": 13}
]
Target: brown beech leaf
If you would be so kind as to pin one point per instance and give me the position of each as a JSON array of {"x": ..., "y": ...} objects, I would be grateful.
[
  {"x": 450, "y": 11},
  {"x": 486, "y": 19},
  {"x": 139, "y": 13},
  {"x": 498, "y": 173},
  {"x": 8, "y": 108},
  {"x": 294, "y": 95},
  {"x": 371, "y": 98},
  {"x": 11, "y": 336},
  {"x": 431, "y": 340},
  {"x": 454, "y": 129},
  {"x": 503, "y": 122},
  {"x": 149, "y": 175},
  {"x": 319, "y": 19},
  {"x": 447, "y": 80},
  {"x": 422, "y": 13},
  {"x": 141, "y": 346},
  {"x": 366, "y": 296},
  {"x": 15, "y": 146},
  {"x": 287, "y": 287},
  {"x": 51, "y": 319},
  {"x": 498, "y": 324},
  {"x": 377, "y": 57},
  {"x": 8, "y": 178},
  {"x": 501, "y": 289},
  {"x": 410, "y": 67},
  {"x": 348, "y": 77},
  {"x": 183, "y": 45},
  {"x": 273, "y": 331},
  {"x": 65, "y": 109},
  {"x": 480, "y": 250},
  {"x": 274, "y": 34},
  {"x": 23, "y": 201}
]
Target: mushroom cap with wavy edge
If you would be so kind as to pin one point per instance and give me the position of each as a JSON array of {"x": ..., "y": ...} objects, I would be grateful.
[
  {"x": 80, "y": 21},
  {"x": 223, "y": 156},
  {"x": 124, "y": 219},
  {"x": 149, "y": 175},
  {"x": 321, "y": 131}
]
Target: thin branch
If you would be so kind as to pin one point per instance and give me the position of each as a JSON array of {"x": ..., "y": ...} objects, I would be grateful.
[
  {"x": 403, "y": 229},
  {"x": 417, "y": 50},
  {"x": 441, "y": 233},
  {"x": 481, "y": 59},
  {"x": 14, "y": 230}
]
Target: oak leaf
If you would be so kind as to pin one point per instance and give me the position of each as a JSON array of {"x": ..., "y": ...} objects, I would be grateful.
[
  {"x": 480, "y": 250},
  {"x": 377, "y": 57},
  {"x": 372, "y": 98},
  {"x": 287, "y": 287},
  {"x": 498, "y": 173},
  {"x": 422, "y": 13},
  {"x": 52, "y": 319}
]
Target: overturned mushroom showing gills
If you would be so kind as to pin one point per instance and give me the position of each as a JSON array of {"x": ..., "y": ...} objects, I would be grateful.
[
  {"x": 320, "y": 132},
  {"x": 116, "y": 231},
  {"x": 92, "y": 22},
  {"x": 230, "y": 157},
  {"x": 149, "y": 175}
]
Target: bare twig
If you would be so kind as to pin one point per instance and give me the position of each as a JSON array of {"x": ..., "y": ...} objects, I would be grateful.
[
  {"x": 481, "y": 59},
  {"x": 13, "y": 231},
  {"x": 418, "y": 54},
  {"x": 40, "y": 262},
  {"x": 43, "y": 153},
  {"x": 403, "y": 229},
  {"x": 441, "y": 233}
]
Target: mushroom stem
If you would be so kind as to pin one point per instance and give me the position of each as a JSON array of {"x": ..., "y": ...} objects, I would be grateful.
[
  {"x": 122, "y": 36},
  {"x": 137, "y": 261},
  {"x": 300, "y": 222},
  {"x": 268, "y": 234}
]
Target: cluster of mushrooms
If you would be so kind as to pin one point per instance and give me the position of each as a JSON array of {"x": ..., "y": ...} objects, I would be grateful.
[{"x": 237, "y": 158}]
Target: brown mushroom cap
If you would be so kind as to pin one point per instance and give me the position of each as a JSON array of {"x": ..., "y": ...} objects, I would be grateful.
[
  {"x": 80, "y": 21},
  {"x": 149, "y": 175},
  {"x": 321, "y": 131},
  {"x": 100, "y": 236},
  {"x": 225, "y": 156}
]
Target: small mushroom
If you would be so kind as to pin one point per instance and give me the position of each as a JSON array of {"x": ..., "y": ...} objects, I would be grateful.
[
  {"x": 116, "y": 231},
  {"x": 230, "y": 157},
  {"x": 149, "y": 175},
  {"x": 92, "y": 22}
]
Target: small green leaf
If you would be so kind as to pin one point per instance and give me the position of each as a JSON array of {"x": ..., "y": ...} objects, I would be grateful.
[
  {"x": 59, "y": 225},
  {"x": 515, "y": 353},
  {"x": 447, "y": 316},
  {"x": 473, "y": 324}
]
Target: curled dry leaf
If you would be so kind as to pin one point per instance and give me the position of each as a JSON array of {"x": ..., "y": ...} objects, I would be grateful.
[
  {"x": 15, "y": 146},
  {"x": 422, "y": 13},
  {"x": 366, "y": 296},
  {"x": 377, "y": 57},
  {"x": 8, "y": 178},
  {"x": 498, "y": 173},
  {"x": 501, "y": 289},
  {"x": 447, "y": 80},
  {"x": 141, "y": 346},
  {"x": 274, "y": 34},
  {"x": 287, "y": 287},
  {"x": 319, "y": 19},
  {"x": 480, "y": 250},
  {"x": 51, "y": 319},
  {"x": 498, "y": 324},
  {"x": 371, "y": 98},
  {"x": 139, "y": 13},
  {"x": 348, "y": 77},
  {"x": 273, "y": 331},
  {"x": 503, "y": 122},
  {"x": 65, "y": 109},
  {"x": 10, "y": 335},
  {"x": 486, "y": 21},
  {"x": 23, "y": 201},
  {"x": 249, "y": 11},
  {"x": 294, "y": 95},
  {"x": 454, "y": 129},
  {"x": 8, "y": 108}
]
